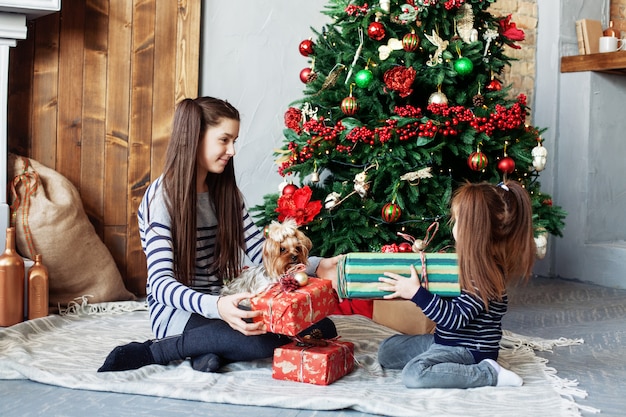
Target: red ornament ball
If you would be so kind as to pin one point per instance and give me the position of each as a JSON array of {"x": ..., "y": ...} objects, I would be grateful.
[
  {"x": 506, "y": 165},
  {"x": 410, "y": 42},
  {"x": 494, "y": 85},
  {"x": 289, "y": 189},
  {"x": 477, "y": 161},
  {"x": 405, "y": 247},
  {"x": 376, "y": 31},
  {"x": 306, "y": 47},
  {"x": 307, "y": 75},
  {"x": 349, "y": 106},
  {"x": 391, "y": 213}
]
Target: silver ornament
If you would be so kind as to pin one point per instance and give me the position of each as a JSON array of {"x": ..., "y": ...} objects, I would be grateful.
[{"x": 437, "y": 98}]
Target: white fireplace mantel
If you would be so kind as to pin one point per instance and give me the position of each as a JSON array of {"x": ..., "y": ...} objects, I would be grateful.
[{"x": 13, "y": 17}]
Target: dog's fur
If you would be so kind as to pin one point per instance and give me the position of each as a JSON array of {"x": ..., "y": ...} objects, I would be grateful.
[{"x": 285, "y": 247}]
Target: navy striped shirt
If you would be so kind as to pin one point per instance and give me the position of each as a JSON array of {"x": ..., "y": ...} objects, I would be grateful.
[
  {"x": 464, "y": 321},
  {"x": 170, "y": 302}
]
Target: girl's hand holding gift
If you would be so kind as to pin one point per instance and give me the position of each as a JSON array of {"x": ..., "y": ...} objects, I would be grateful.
[{"x": 400, "y": 286}]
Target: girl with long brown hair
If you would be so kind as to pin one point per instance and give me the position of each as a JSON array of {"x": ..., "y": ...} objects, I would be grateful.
[
  {"x": 495, "y": 246},
  {"x": 196, "y": 234}
]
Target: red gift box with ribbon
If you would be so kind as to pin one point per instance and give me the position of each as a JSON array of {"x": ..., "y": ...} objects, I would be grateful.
[
  {"x": 313, "y": 364},
  {"x": 290, "y": 312}
]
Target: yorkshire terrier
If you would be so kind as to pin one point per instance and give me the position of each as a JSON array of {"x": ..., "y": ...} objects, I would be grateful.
[{"x": 284, "y": 249}]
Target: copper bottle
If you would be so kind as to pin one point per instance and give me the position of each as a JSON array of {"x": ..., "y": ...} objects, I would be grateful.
[
  {"x": 11, "y": 283},
  {"x": 37, "y": 290},
  {"x": 610, "y": 31}
]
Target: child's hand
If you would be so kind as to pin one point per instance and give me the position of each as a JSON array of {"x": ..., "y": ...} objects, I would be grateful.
[
  {"x": 327, "y": 269},
  {"x": 400, "y": 286}
]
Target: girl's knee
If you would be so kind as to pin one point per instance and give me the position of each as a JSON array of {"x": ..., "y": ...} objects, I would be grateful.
[
  {"x": 387, "y": 354},
  {"x": 413, "y": 375},
  {"x": 383, "y": 357}
]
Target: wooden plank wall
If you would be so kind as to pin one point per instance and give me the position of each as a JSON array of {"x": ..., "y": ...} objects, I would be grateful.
[{"x": 91, "y": 94}]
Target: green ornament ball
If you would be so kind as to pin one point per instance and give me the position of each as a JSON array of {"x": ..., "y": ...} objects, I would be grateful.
[
  {"x": 463, "y": 66},
  {"x": 363, "y": 78}
]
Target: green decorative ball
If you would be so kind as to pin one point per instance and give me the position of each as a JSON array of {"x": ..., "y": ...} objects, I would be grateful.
[
  {"x": 363, "y": 78},
  {"x": 463, "y": 66}
]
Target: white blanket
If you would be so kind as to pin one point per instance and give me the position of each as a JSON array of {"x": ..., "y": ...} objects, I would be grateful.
[{"x": 67, "y": 350}]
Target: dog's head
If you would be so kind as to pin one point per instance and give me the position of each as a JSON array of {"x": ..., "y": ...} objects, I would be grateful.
[{"x": 285, "y": 246}]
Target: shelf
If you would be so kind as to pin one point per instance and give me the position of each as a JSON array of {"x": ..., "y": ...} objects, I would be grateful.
[
  {"x": 30, "y": 8},
  {"x": 609, "y": 62}
]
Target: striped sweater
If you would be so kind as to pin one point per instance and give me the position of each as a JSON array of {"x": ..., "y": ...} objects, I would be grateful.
[
  {"x": 464, "y": 321},
  {"x": 170, "y": 302}
]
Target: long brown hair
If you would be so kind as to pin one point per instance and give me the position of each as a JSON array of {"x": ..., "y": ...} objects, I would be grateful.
[
  {"x": 495, "y": 241},
  {"x": 192, "y": 118}
]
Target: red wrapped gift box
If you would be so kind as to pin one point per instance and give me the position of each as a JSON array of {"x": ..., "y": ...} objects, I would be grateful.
[
  {"x": 289, "y": 313},
  {"x": 320, "y": 365}
]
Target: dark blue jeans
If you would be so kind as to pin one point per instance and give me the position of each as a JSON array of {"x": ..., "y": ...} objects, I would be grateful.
[{"x": 202, "y": 336}]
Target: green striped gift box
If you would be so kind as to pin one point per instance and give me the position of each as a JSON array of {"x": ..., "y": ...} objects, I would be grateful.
[{"x": 358, "y": 273}]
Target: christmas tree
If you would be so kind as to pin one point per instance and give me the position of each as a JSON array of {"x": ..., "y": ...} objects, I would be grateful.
[{"x": 402, "y": 104}]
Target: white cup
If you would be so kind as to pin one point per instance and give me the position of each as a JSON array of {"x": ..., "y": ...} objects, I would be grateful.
[{"x": 610, "y": 44}]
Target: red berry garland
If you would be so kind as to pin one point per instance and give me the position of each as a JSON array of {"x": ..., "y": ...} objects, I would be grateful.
[{"x": 293, "y": 118}]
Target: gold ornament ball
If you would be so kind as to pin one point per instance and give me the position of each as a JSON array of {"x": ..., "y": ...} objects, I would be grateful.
[{"x": 301, "y": 277}]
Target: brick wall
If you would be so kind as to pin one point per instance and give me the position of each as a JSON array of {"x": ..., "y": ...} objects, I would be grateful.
[
  {"x": 618, "y": 15},
  {"x": 521, "y": 73}
]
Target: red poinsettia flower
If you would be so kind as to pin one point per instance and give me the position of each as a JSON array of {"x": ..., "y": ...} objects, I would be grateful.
[
  {"x": 510, "y": 32},
  {"x": 298, "y": 206}
]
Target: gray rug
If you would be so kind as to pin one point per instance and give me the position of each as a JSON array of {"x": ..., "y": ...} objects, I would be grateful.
[{"x": 66, "y": 351}]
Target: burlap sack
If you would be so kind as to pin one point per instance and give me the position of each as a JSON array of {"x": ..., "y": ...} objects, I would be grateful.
[{"x": 49, "y": 218}]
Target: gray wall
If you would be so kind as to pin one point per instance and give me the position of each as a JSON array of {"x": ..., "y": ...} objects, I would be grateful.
[
  {"x": 584, "y": 114},
  {"x": 250, "y": 57}
]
